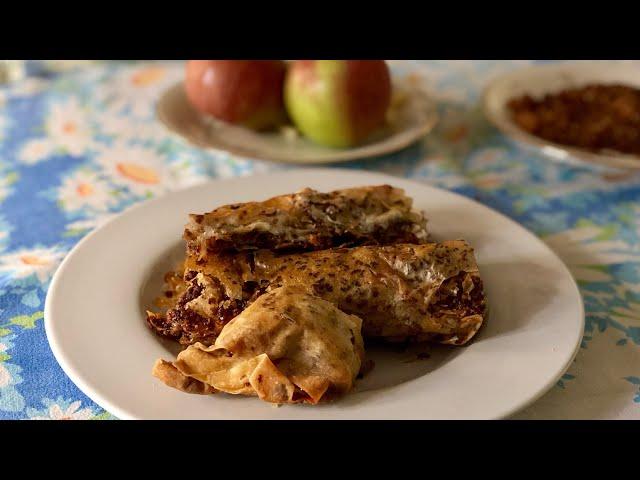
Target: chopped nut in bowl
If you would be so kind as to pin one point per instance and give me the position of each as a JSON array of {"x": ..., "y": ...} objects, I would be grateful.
[{"x": 584, "y": 113}]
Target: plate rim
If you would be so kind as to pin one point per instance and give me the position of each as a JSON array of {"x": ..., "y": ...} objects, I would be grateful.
[
  {"x": 122, "y": 414},
  {"x": 343, "y": 154},
  {"x": 555, "y": 151}
]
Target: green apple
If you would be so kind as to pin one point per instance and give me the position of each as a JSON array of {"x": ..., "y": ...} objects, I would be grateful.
[{"x": 337, "y": 103}]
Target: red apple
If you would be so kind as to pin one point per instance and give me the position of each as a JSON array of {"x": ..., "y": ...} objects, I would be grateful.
[
  {"x": 338, "y": 103},
  {"x": 242, "y": 92}
]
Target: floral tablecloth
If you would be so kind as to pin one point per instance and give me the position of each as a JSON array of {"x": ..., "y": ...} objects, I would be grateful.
[{"x": 78, "y": 147}]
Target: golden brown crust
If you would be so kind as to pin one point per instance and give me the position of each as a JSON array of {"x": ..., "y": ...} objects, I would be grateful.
[
  {"x": 308, "y": 220},
  {"x": 287, "y": 347},
  {"x": 171, "y": 376},
  {"x": 425, "y": 292}
]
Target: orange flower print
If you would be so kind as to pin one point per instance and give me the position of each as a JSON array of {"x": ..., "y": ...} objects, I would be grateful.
[
  {"x": 24, "y": 263},
  {"x": 147, "y": 76},
  {"x": 139, "y": 169}
]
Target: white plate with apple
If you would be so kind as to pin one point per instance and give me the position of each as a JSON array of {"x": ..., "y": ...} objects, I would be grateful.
[{"x": 319, "y": 118}]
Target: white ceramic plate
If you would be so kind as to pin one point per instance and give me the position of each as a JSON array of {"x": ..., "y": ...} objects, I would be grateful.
[
  {"x": 540, "y": 80},
  {"x": 94, "y": 314},
  {"x": 409, "y": 119}
]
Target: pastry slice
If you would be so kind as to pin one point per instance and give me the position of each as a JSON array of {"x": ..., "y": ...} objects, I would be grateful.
[
  {"x": 287, "y": 347},
  {"x": 419, "y": 292},
  {"x": 308, "y": 220}
]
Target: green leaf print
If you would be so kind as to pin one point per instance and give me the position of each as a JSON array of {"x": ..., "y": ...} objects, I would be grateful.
[
  {"x": 599, "y": 268},
  {"x": 607, "y": 232},
  {"x": 103, "y": 416},
  {"x": 11, "y": 178},
  {"x": 74, "y": 232},
  {"x": 27, "y": 321}
]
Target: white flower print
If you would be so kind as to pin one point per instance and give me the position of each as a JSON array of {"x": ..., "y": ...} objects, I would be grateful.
[
  {"x": 84, "y": 189},
  {"x": 627, "y": 315},
  {"x": 23, "y": 263},
  {"x": 3, "y": 124},
  {"x": 28, "y": 86},
  {"x": 623, "y": 288},
  {"x": 59, "y": 411},
  {"x": 67, "y": 125},
  {"x": 229, "y": 166},
  {"x": 432, "y": 169},
  {"x": 67, "y": 130},
  {"x": 6, "y": 180},
  {"x": 67, "y": 65},
  {"x": 140, "y": 169},
  {"x": 36, "y": 150},
  {"x": 137, "y": 89},
  {"x": 10, "y": 399},
  {"x": 599, "y": 390},
  {"x": 5, "y": 376},
  {"x": 580, "y": 249},
  {"x": 125, "y": 128},
  {"x": 144, "y": 172},
  {"x": 89, "y": 223},
  {"x": 490, "y": 180},
  {"x": 4, "y": 230}
]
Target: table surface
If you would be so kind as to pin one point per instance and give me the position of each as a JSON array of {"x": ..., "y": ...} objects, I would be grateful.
[{"x": 78, "y": 147}]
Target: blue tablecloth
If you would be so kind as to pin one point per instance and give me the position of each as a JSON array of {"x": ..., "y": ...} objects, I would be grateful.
[{"x": 76, "y": 148}]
